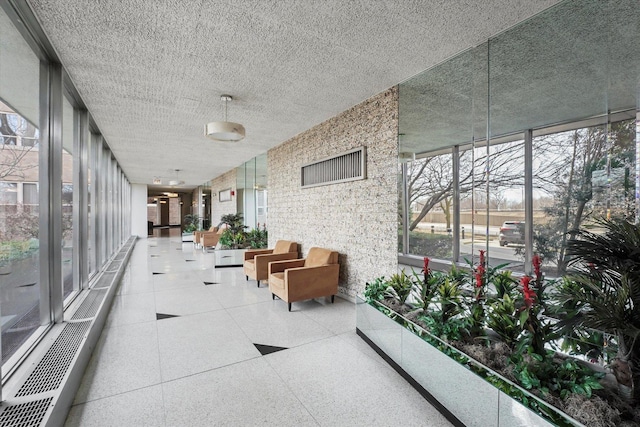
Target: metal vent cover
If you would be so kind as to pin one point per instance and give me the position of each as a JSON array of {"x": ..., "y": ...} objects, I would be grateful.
[
  {"x": 50, "y": 371},
  {"x": 26, "y": 414},
  {"x": 345, "y": 167},
  {"x": 89, "y": 307}
]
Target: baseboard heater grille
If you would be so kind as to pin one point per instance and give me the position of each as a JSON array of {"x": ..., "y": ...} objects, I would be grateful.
[
  {"x": 349, "y": 166},
  {"x": 27, "y": 414},
  {"x": 90, "y": 305},
  {"x": 52, "y": 368}
]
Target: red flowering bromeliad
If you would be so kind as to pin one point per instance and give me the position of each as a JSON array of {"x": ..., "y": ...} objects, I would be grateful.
[
  {"x": 537, "y": 263},
  {"x": 425, "y": 268},
  {"x": 480, "y": 280},
  {"x": 527, "y": 292}
]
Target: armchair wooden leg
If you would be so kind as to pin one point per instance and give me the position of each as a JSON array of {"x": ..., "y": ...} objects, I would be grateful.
[
  {"x": 258, "y": 283},
  {"x": 332, "y": 298},
  {"x": 289, "y": 306},
  {"x": 273, "y": 296},
  {"x": 247, "y": 277}
]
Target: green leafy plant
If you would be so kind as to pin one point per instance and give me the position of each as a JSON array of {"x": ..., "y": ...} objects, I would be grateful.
[
  {"x": 505, "y": 284},
  {"x": 449, "y": 299},
  {"x": 605, "y": 294},
  {"x": 233, "y": 237},
  {"x": 549, "y": 375},
  {"x": 425, "y": 290},
  {"x": 503, "y": 320},
  {"x": 190, "y": 223},
  {"x": 374, "y": 291},
  {"x": 453, "y": 329},
  {"x": 399, "y": 288},
  {"x": 257, "y": 238}
]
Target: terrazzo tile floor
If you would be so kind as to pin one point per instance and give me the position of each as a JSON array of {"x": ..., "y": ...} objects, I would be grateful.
[{"x": 182, "y": 347}]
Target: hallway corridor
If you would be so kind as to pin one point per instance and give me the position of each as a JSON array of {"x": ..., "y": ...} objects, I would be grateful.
[{"x": 183, "y": 346}]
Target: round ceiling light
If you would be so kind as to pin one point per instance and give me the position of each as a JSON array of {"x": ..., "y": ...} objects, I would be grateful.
[{"x": 224, "y": 130}]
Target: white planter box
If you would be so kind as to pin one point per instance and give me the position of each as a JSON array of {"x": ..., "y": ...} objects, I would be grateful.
[
  {"x": 229, "y": 257},
  {"x": 466, "y": 395}
]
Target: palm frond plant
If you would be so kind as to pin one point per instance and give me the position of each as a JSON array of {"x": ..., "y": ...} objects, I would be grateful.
[
  {"x": 257, "y": 238},
  {"x": 191, "y": 222},
  {"x": 234, "y": 235},
  {"x": 606, "y": 295}
]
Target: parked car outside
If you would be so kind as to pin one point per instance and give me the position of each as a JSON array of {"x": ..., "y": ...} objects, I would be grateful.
[{"x": 511, "y": 232}]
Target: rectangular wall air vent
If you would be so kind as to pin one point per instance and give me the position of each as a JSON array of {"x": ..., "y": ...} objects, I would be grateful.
[
  {"x": 349, "y": 166},
  {"x": 26, "y": 414},
  {"x": 51, "y": 370}
]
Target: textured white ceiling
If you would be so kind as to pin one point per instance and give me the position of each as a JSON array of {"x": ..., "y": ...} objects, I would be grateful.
[{"x": 151, "y": 72}]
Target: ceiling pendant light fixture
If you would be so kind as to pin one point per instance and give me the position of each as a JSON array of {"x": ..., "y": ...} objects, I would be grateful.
[
  {"x": 224, "y": 130},
  {"x": 176, "y": 181}
]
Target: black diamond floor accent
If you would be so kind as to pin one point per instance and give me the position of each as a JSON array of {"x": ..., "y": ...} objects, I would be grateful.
[
  {"x": 160, "y": 316},
  {"x": 210, "y": 283},
  {"x": 157, "y": 273},
  {"x": 154, "y": 256},
  {"x": 268, "y": 349},
  {"x": 189, "y": 260},
  {"x": 27, "y": 285}
]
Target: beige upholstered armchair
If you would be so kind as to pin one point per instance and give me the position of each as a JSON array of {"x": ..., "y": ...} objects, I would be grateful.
[
  {"x": 197, "y": 235},
  {"x": 301, "y": 279},
  {"x": 210, "y": 238},
  {"x": 256, "y": 261}
]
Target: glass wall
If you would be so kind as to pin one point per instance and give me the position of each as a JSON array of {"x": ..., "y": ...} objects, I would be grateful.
[
  {"x": 64, "y": 201},
  {"x": 524, "y": 138},
  {"x": 20, "y": 293},
  {"x": 69, "y": 135},
  {"x": 251, "y": 186}
]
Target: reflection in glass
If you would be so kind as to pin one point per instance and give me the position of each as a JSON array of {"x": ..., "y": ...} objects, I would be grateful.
[
  {"x": 580, "y": 175},
  {"x": 430, "y": 188},
  {"x": 506, "y": 205},
  {"x": 569, "y": 77}
]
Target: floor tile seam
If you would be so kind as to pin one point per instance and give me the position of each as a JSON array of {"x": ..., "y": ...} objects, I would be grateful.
[
  {"x": 163, "y": 381},
  {"x": 238, "y": 324},
  {"x": 306, "y": 343},
  {"x": 286, "y": 384},
  {"x": 164, "y": 407},
  {"x": 97, "y": 399},
  {"x": 318, "y": 323}
]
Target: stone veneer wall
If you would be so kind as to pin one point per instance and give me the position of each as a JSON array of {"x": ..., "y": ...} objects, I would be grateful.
[
  {"x": 218, "y": 208},
  {"x": 358, "y": 219}
]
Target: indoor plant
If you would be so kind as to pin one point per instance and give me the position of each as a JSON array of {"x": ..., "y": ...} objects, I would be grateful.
[{"x": 606, "y": 294}]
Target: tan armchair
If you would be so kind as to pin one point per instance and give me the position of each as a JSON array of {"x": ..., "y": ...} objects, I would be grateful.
[
  {"x": 301, "y": 279},
  {"x": 256, "y": 261},
  {"x": 197, "y": 235},
  {"x": 210, "y": 238}
]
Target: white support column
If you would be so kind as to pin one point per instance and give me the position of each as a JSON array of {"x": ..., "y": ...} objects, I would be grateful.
[{"x": 139, "y": 210}]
